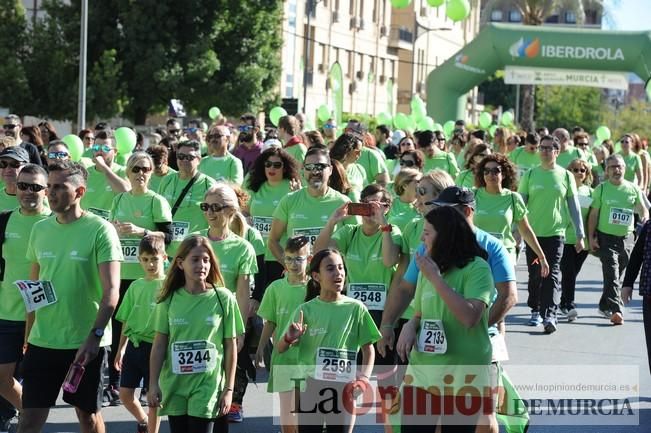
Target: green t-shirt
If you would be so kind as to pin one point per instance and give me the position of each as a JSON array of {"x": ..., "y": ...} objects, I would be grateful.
[
  {"x": 465, "y": 346},
  {"x": 368, "y": 279},
  {"x": 547, "y": 192},
  {"x": 373, "y": 164},
  {"x": 278, "y": 303},
  {"x": 226, "y": 167},
  {"x": 391, "y": 167},
  {"x": 633, "y": 162},
  {"x": 401, "y": 213},
  {"x": 412, "y": 233},
  {"x": 236, "y": 257},
  {"x": 585, "y": 201},
  {"x": 570, "y": 154},
  {"x": 69, "y": 256},
  {"x": 188, "y": 217},
  {"x": 307, "y": 215},
  {"x": 261, "y": 207},
  {"x": 444, "y": 161},
  {"x": 17, "y": 267},
  {"x": 255, "y": 239},
  {"x": 344, "y": 324},
  {"x": 99, "y": 194},
  {"x": 206, "y": 319},
  {"x": 524, "y": 160},
  {"x": 297, "y": 151},
  {"x": 7, "y": 202},
  {"x": 357, "y": 179},
  {"x": 616, "y": 204},
  {"x": 497, "y": 213},
  {"x": 136, "y": 309},
  {"x": 466, "y": 178},
  {"x": 155, "y": 181},
  {"x": 144, "y": 211}
]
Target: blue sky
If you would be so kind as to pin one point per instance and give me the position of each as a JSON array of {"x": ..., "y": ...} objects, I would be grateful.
[{"x": 628, "y": 14}]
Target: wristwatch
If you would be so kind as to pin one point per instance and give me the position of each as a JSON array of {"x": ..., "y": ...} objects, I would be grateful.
[{"x": 97, "y": 332}]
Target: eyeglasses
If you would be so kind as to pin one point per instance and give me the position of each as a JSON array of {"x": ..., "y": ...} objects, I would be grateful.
[
  {"x": 245, "y": 128},
  {"x": 274, "y": 164},
  {"x": 58, "y": 155},
  {"x": 581, "y": 143},
  {"x": 319, "y": 166},
  {"x": 137, "y": 169},
  {"x": 101, "y": 148},
  {"x": 494, "y": 171},
  {"x": 407, "y": 163},
  {"x": 298, "y": 259},
  {"x": 9, "y": 126},
  {"x": 186, "y": 157},
  {"x": 421, "y": 190},
  {"x": 579, "y": 170},
  {"x": 33, "y": 187},
  {"x": 89, "y": 138},
  {"x": 213, "y": 207},
  {"x": 12, "y": 164},
  {"x": 547, "y": 148}
]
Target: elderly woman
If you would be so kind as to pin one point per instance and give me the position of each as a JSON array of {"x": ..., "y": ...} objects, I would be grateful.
[{"x": 403, "y": 209}]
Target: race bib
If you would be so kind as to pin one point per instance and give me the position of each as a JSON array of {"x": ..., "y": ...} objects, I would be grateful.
[
  {"x": 190, "y": 357},
  {"x": 312, "y": 233},
  {"x": 36, "y": 294},
  {"x": 180, "y": 230},
  {"x": 130, "y": 250},
  {"x": 372, "y": 295},
  {"x": 620, "y": 217},
  {"x": 103, "y": 213},
  {"x": 432, "y": 338},
  {"x": 337, "y": 365},
  {"x": 263, "y": 225},
  {"x": 585, "y": 201}
]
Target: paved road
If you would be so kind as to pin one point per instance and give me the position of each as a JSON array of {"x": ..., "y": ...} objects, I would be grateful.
[{"x": 575, "y": 348}]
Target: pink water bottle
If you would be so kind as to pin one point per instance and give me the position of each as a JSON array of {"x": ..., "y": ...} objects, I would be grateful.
[{"x": 75, "y": 373}]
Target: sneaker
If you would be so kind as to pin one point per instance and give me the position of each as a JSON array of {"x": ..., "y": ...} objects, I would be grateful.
[
  {"x": 535, "y": 319},
  {"x": 572, "y": 315},
  {"x": 563, "y": 311},
  {"x": 550, "y": 326},
  {"x": 617, "y": 319},
  {"x": 143, "y": 397},
  {"x": 236, "y": 414},
  {"x": 605, "y": 313},
  {"x": 112, "y": 396},
  {"x": 142, "y": 427}
]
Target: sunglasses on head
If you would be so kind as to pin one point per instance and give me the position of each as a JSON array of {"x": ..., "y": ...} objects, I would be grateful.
[
  {"x": 58, "y": 155},
  {"x": 137, "y": 169},
  {"x": 101, "y": 148},
  {"x": 407, "y": 163},
  {"x": 33, "y": 187},
  {"x": 319, "y": 166},
  {"x": 186, "y": 157},
  {"x": 274, "y": 164},
  {"x": 213, "y": 207},
  {"x": 579, "y": 170},
  {"x": 495, "y": 171},
  {"x": 12, "y": 164}
]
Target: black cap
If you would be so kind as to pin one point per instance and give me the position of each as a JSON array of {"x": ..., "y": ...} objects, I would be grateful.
[
  {"x": 454, "y": 195},
  {"x": 17, "y": 153}
]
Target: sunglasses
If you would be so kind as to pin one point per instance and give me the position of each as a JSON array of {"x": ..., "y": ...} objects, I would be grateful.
[
  {"x": 579, "y": 170},
  {"x": 406, "y": 163},
  {"x": 174, "y": 131},
  {"x": 101, "y": 148},
  {"x": 9, "y": 126},
  {"x": 58, "y": 155},
  {"x": 494, "y": 171},
  {"x": 186, "y": 157},
  {"x": 137, "y": 169},
  {"x": 213, "y": 207},
  {"x": 12, "y": 164},
  {"x": 329, "y": 126},
  {"x": 89, "y": 138},
  {"x": 33, "y": 187},
  {"x": 319, "y": 166},
  {"x": 298, "y": 259},
  {"x": 274, "y": 164},
  {"x": 245, "y": 128},
  {"x": 582, "y": 143},
  {"x": 421, "y": 190}
]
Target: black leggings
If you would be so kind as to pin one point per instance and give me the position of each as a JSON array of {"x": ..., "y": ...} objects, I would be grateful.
[{"x": 193, "y": 424}]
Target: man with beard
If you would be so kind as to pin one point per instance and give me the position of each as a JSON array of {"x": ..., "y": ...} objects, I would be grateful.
[{"x": 249, "y": 147}]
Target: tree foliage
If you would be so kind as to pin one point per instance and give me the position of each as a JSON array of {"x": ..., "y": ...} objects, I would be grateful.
[
  {"x": 568, "y": 106},
  {"x": 497, "y": 93},
  {"x": 630, "y": 118}
]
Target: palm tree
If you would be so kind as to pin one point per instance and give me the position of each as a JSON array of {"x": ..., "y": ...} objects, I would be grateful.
[{"x": 534, "y": 13}]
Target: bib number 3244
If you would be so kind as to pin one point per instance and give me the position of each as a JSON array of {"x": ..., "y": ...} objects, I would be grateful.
[{"x": 190, "y": 357}]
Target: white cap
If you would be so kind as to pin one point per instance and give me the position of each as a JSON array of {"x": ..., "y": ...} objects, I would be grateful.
[
  {"x": 272, "y": 142},
  {"x": 397, "y": 136}
]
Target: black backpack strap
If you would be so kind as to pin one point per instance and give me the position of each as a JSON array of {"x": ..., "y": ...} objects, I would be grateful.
[
  {"x": 4, "y": 219},
  {"x": 184, "y": 193}
]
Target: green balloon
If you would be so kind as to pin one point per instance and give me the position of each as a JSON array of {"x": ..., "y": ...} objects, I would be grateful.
[
  {"x": 418, "y": 107},
  {"x": 485, "y": 120},
  {"x": 125, "y": 140},
  {"x": 426, "y": 124},
  {"x": 448, "y": 127},
  {"x": 435, "y": 3},
  {"x": 457, "y": 10},
  {"x": 507, "y": 118},
  {"x": 437, "y": 127},
  {"x": 411, "y": 123},
  {"x": 400, "y": 4},
  {"x": 492, "y": 130},
  {"x": 401, "y": 121},
  {"x": 384, "y": 119},
  {"x": 214, "y": 113},
  {"x": 75, "y": 146},
  {"x": 323, "y": 113},
  {"x": 603, "y": 133},
  {"x": 276, "y": 113}
]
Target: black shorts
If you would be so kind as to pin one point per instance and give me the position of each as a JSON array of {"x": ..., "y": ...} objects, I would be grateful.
[
  {"x": 12, "y": 338},
  {"x": 44, "y": 371},
  {"x": 135, "y": 365}
]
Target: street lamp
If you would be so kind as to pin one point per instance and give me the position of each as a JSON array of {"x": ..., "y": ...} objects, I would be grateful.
[{"x": 420, "y": 30}]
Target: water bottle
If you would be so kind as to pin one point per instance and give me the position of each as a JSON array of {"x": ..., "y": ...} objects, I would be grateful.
[{"x": 75, "y": 373}]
